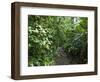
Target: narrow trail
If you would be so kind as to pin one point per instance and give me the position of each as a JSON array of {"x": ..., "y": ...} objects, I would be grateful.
[{"x": 61, "y": 58}]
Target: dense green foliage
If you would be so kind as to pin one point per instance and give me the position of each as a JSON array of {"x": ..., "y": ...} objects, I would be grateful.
[{"x": 47, "y": 33}]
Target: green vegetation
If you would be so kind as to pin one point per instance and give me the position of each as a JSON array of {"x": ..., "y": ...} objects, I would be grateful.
[{"x": 46, "y": 34}]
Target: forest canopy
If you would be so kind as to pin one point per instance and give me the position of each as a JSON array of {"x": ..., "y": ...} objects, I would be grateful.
[{"x": 57, "y": 40}]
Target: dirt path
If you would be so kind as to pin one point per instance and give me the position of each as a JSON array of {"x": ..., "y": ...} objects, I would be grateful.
[{"x": 61, "y": 58}]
